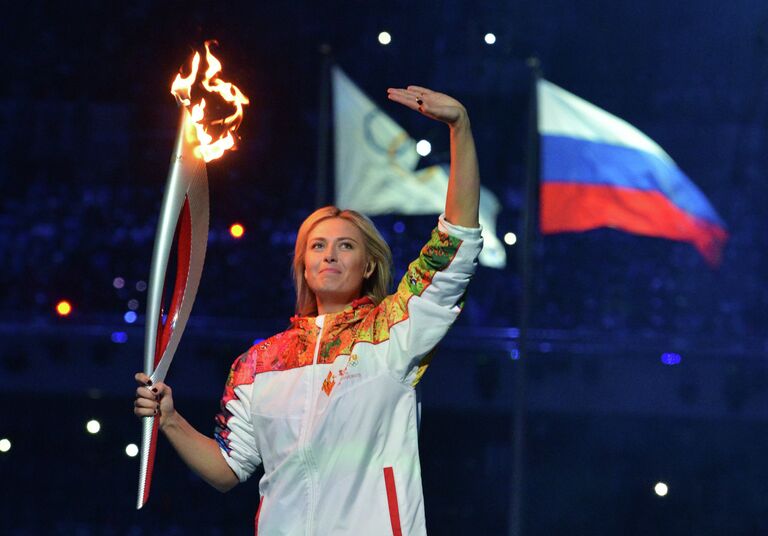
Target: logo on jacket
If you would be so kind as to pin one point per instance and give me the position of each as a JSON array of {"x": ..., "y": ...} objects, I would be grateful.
[{"x": 329, "y": 383}]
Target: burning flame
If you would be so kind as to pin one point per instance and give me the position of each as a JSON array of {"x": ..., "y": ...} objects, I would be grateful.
[{"x": 214, "y": 135}]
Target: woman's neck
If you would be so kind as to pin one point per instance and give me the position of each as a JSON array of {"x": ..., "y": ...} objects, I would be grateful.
[{"x": 330, "y": 307}]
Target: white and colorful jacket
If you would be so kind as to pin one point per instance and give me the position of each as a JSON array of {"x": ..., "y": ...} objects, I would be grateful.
[{"x": 329, "y": 406}]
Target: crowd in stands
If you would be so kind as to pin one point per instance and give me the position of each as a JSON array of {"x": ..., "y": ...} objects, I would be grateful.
[{"x": 65, "y": 241}]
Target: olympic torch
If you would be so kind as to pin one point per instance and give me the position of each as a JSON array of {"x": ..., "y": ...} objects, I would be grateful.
[{"x": 183, "y": 222}]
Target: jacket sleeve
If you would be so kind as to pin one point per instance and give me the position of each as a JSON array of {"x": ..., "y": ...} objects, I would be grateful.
[
  {"x": 429, "y": 298},
  {"x": 234, "y": 428}
]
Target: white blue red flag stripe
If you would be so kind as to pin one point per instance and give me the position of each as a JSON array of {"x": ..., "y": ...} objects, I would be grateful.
[{"x": 597, "y": 170}]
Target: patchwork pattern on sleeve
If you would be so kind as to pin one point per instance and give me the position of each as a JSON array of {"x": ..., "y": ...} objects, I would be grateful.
[
  {"x": 436, "y": 255},
  {"x": 241, "y": 373}
]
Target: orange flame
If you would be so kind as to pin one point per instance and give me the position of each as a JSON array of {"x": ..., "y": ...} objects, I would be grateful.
[{"x": 214, "y": 135}]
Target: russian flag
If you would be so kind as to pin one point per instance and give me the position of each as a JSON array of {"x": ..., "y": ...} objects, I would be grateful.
[{"x": 599, "y": 171}]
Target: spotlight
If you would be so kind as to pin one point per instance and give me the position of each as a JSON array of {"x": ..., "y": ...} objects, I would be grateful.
[
  {"x": 5, "y": 445},
  {"x": 131, "y": 450},
  {"x": 661, "y": 489},
  {"x": 236, "y": 230},
  {"x": 118, "y": 282},
  {"x": 671, "y": 358},
  {"x": 385, "y": 38},
  {"x": 119, "y": 337},
  {"x": 423, "y": 147},
  {"x": 129, "y": 317},
  {"x": 93, "y": 426},
  {"x": 510, "y": 239},
  {"x": 490, "y": 38},
  {"x": 63, "y": 308}
]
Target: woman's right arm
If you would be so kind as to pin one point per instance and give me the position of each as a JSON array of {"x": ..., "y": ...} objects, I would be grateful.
[{"x": 201, "y": 453}]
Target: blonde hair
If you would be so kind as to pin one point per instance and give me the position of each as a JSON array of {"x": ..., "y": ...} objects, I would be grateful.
[{"x": 375, "y": 287}]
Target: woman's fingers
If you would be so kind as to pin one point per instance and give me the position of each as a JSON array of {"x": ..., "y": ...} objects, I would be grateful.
[
  {"x": 142, "y": 402},
  {"x": 142, "y": 378},
  {"x": 430, "y": 103},
  {"x": 409, "y": 93},
  {"x": 420, "y": 90},
  {"x": 152, "y": 393},
  {"x": 145, "y": 407},
  {"x": 415, "y": 100},
  {"x": 411, "y": 101},
  {"x": 146, "y": 403},
  {"x": 147, "y": 390},
  {"x": 152, "y": 399}
]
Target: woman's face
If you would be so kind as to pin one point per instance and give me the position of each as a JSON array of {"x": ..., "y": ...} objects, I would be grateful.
[{"x": 335, "y": 262}]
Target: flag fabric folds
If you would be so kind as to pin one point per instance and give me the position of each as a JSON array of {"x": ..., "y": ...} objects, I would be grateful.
[
  {"x": 375, "y": 168},
  {"x": 597, "y": 170}
]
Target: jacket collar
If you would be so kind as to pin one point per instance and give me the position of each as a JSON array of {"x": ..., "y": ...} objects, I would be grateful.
[{"x": 353, "y": 312}]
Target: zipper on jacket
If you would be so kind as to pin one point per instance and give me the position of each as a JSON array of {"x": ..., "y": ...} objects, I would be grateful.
[{"x": 308, "y": 414}]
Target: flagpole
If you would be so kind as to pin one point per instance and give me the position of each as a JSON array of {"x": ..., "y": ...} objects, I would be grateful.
[
  {"x": 323, "y": 121},
  {"x": 526, "y": 272}
]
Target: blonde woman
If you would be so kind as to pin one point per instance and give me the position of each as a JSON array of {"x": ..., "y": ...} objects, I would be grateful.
[{"x": 328, "y": 407}]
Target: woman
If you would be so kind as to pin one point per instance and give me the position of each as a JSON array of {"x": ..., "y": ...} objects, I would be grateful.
[{"x": 329, "y": 406}]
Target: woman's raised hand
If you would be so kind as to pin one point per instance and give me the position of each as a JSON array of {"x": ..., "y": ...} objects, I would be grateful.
[
  {"x": 153, "y": 399},
  {"x": 433, "y": 104},
  {"x": 462, "y": 200}
]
